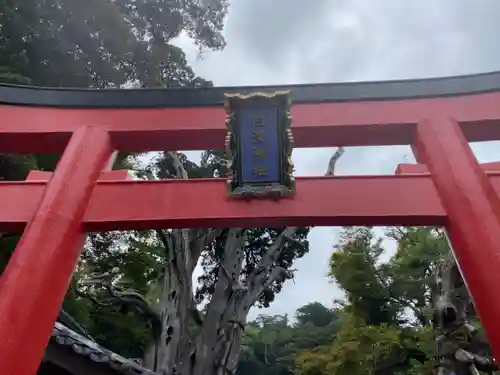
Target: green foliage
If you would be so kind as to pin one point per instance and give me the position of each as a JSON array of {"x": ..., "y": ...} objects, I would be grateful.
[
  {"x": 120, "y": 330},
  {"x": 412, "y": 269},
  {"x": 354, "y": 266},
  {"x": 104, "y": 43},
  {"x": 358, "y": 349},
  {"x": 272, "y": 342},
  {"x": 7, "y": 75},
  {"x": 315, "y": 314},
  {"x": 8, "y": 242},
  {"x": 368, "y": 349},
  {"x": 16, "y": 167},
  {"x": 386, "y": 316}
]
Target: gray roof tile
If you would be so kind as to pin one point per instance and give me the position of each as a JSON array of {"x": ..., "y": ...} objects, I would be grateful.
[{"x": 88, "y": 348}]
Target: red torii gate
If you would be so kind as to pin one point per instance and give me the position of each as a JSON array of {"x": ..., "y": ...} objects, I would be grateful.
[{"x": 436, "y": 117}]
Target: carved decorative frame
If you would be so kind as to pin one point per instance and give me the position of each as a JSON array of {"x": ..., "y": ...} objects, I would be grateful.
[{"x": 286, "y": 185}]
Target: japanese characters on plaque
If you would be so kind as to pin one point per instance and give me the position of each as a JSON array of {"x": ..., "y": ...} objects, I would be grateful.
[
  {"x": 260, "y": 154},
  {"x": 259, "y": 145}
]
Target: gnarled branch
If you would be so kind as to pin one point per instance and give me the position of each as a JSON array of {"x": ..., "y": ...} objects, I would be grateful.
[
  {"x": 118, "y": 295},
  {"x": 267, "y": 272},
  {"x": 261, "y": 272},
  {"x": 276, "y": 274}
]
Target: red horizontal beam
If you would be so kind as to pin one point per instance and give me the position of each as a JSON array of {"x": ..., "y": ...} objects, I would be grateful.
[
  {"x": 19, "y": 199},
  {"x": 18, "y": 202},
  {"x": 493, "y": 167},
  {"x": 322, "y": 201},
  {"x": 408, "y": 198},
  {"x": 363, "y": 123},
  {"x": 325, "y": 201}
]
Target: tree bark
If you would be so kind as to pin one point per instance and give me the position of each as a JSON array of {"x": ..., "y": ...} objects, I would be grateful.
[{"x": 215, "y": 350}]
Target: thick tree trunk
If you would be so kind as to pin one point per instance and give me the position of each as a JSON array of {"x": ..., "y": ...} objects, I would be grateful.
[
  {"x": 171, "y": 344},
  {"x": 173, "y": 350},
  {"x": 215, "y": 349},
  {"x": 458, "y": 346}
]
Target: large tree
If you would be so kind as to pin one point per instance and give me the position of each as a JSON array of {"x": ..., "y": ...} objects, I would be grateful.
[
  {"x": 102, "y": 43},
  {"x": 241, "y": 268},
  {"x": 192, "y": 330}
]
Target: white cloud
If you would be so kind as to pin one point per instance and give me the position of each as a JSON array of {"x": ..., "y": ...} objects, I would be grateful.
[{"x": 295, "y": 41}]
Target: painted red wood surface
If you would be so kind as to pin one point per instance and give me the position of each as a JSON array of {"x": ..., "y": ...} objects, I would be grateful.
[
  {"x": 473, "y": 209},
  {"x": 362, "y": 200},
  {"x": 351, "y": 200},
  {"x": 367, "y": 123},
  {"x": 458, "y": 194},
  {"x": 33, "y": 285}
]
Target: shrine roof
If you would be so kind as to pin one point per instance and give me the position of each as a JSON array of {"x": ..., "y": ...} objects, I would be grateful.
[
  {"x": 85, "y": 347},
  {"x": 214, "y": 96}
]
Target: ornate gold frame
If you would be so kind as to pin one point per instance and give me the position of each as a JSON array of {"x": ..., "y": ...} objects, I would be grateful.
[{"x": 286, "y": 186}]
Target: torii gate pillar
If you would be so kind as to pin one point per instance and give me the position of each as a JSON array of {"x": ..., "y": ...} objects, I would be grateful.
[
  {"x": 473, "y": 209},
  {"x": 40, "y": 269}
]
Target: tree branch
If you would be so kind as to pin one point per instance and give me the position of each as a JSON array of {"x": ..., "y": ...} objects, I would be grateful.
[
  {"x": 179, "y": 170},
  {"x": 195, "y": 240},
  {"x": 199, "y": 239},
  {"x": 117, "y": 295},
  {"x": 230, "y": 267},
  {"x": 235, "y": 286},
  {"x": 91, "y": 298},
  {"x": 330, "y": 171},
  {"x": 273, "y": 254},
  {"x": 388, "y": 288},
  {"x": 185, "y": 255},
  {"x": 277, "y": 273},
  {"x": 266, "y": 272}
]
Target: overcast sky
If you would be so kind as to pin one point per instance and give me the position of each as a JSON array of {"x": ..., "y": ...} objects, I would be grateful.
[{"x": 297, "y": 41}]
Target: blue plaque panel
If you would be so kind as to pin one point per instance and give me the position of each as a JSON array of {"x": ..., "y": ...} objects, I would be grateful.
[
  {"x": 259, "y": 145},
  {"x": 260, "y": 154}
]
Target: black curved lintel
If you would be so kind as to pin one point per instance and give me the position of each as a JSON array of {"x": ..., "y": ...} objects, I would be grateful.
[{"x": 214, "y": 96}]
